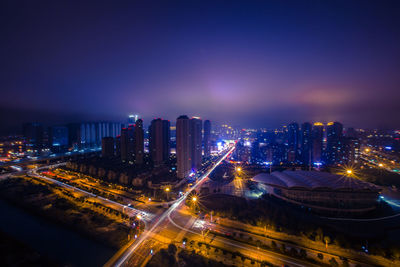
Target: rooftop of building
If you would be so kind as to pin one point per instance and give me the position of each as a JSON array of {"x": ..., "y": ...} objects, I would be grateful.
[{"x": 313, "y": 180}]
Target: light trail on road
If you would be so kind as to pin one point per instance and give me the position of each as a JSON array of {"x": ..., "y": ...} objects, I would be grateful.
[
  {"x": 232, "y": 243},
  {"x": 145, "y": 235},
  {"x": 144, "y": 214}
]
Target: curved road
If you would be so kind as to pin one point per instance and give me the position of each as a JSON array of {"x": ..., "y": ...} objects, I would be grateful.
[{"x": 125, "y": 255}]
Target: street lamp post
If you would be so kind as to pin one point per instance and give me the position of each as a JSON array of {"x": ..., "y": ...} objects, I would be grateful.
[
  {"x": 194, "y": 200},
  {"x": 269, "y": 163},
  {"x": 380, "y": 169},
  {"x": 167, "y": 189},
  {"x": 139, "y": 217}
]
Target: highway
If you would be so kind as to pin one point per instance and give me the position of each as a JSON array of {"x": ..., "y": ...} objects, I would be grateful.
[
  {"x": 52, "y": 157},
  {"x": 244, "y": 248},
  {"x": 258, "y": 233},
  {"x": 130, "y": 211},
  {"x": 165, "y": 230},
  {"x": 129, "y": 251},
  {"x": 379, "y": 159}
]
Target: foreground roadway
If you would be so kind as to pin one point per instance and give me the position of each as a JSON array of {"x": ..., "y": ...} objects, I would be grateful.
[
  {"x": 170, "y": 227},
  {"x": 181, "y": 223},
  {"x": 140, "y": 247}
]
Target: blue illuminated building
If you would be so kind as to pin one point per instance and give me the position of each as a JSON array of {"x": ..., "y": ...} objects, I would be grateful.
[{"x": 59, "y": 138}]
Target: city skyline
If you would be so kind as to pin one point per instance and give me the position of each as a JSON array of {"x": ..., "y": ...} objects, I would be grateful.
[
  {"x": 16, "y": 129},
  {"x": 259, "y": 67}
]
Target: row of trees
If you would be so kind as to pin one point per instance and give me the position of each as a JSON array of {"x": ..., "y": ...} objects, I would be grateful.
[
  {"x": 272, "y": 214},
  {"x": 227, "y": 253},
  {"x": 98, "y": 205},
  {"x": 170, "y": 257},
  {"x": 92, "y": 190}
]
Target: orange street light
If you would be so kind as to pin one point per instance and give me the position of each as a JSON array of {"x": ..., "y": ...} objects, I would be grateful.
[
  {"x": 167, "y": 189},
  {"x": 349, "y": 171}
]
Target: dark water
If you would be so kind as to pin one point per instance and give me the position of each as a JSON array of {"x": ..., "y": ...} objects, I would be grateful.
[{"x": 49, "y": 239}]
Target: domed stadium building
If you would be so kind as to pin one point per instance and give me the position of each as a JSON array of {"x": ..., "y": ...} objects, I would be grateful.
[{"x": 320, "y": 191}]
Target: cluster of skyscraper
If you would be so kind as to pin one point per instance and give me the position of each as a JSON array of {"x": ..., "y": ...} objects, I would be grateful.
[
  {"x": 91, "y": 134},
  {"x": 189, "y": 143},
  {"x": 73, "y": 135},
  {"x": 130, "y": 143},
  {"x": 159, "y": 140},
  {"x": 308, "y": 144}
]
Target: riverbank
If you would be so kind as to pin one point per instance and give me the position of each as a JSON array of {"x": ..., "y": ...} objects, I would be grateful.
[
  {"x": 64, "y": 208},
  {"x": 51, "y": 240}
]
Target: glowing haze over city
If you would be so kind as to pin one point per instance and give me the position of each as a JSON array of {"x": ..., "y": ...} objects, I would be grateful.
[{"x": 256, "y": 64}]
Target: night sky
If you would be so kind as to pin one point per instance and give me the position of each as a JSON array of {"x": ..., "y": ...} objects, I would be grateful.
[{"x": 257, "y": 64}]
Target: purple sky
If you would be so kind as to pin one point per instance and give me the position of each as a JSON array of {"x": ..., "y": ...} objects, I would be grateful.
[{"x": 257, "y": 65}]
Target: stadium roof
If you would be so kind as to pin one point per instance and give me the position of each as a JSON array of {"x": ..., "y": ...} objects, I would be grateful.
[{"x": 313, "y": 180}]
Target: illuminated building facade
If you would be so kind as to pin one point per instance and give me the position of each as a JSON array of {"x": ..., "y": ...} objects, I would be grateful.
[
  {"x": 124, "y": 139},
  {"x": 306, "y": 143},
  {"x": 317, "y": 146},
  {"x": 207, "y": 138},
  {"x": 12, "y": 146},
  {"x": 33, "y": 133},
  {"x": 156, "y": 141},
  {"x": 88, "y": 135},
  {"x": 335, "y": 143},
  {"x": 131, "y": 144},
  {"x": 183, "y": 146},
  {"x": 166, "y": 135},
  {"x": 195, "y": 133},
  {"x": 59, "y": 138},
  {"x": 139, "y": 142},
  {"x": 293, "y": 141}
]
